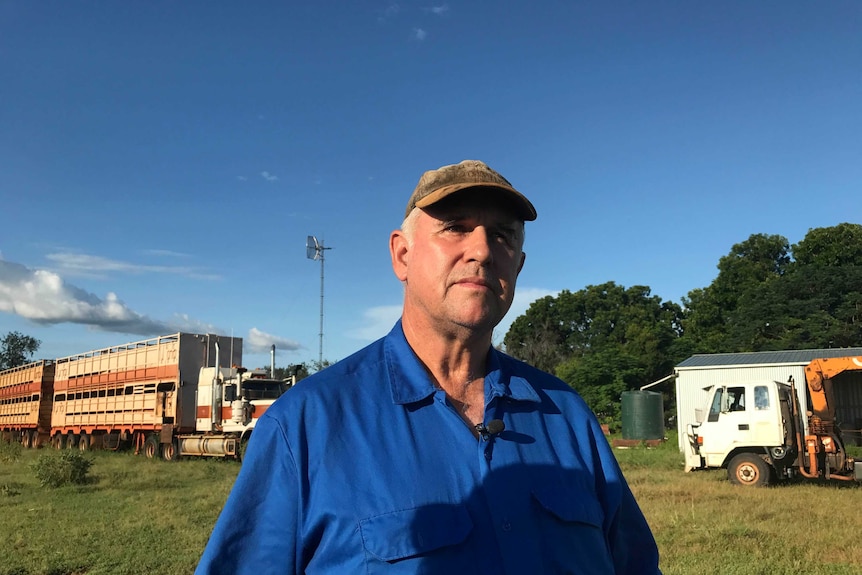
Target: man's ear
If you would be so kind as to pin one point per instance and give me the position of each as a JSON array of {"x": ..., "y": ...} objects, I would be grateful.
[
  {"x": 523, "y": 259},
  {"x": 399, "y": 250}
]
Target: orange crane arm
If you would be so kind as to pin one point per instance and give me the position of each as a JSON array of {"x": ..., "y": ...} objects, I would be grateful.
[{"x": 818, "y": 376}]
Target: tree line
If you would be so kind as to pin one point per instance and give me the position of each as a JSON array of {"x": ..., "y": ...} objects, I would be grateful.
[{"x": 768, "y": 295}]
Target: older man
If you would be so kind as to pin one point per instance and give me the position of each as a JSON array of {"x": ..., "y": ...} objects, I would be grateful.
[{"x": 429, "y": 451}]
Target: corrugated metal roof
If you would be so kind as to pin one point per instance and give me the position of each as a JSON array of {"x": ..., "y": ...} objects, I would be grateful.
[{"x": 793, "y": 357}]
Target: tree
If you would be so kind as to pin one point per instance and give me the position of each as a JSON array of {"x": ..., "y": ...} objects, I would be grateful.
[
  {"x": 301, "y": 370},
  {"x": 711, "y": 312},
  {"x": 538, "y": 336},
  {"x": 16, "y": 349},
  {"x": 764, "y": 299},
  {"x": 836, "y": 246},
  {"x": 601, "y": 340}
]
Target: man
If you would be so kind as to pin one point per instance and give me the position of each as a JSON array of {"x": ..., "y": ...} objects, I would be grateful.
[{"x": 429, "y": 451}]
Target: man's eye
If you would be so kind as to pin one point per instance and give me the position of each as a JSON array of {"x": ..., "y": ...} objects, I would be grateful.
[{"x": 505, "y": 236}]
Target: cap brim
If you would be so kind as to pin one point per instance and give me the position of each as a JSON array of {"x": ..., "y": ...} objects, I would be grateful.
[{"x": 523, "y": 206}]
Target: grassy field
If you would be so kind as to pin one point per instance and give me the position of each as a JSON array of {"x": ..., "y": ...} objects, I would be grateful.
[{"x": 140, "y": 516}]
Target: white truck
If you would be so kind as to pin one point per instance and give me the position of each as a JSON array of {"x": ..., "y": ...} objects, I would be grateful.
[{"x": 757, "y": 431}]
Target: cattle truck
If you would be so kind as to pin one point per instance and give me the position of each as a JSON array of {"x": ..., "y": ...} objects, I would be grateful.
[
  {"x": 170, "y": 396},
  {"x": 759, "y": 432},
  {"x": 25, "y": 402}
]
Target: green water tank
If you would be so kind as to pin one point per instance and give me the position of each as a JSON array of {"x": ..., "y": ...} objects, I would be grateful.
[{"x": 643, "y": 415}]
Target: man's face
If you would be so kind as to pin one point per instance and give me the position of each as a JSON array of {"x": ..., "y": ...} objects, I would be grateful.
[{"x": 460, "y": 264}]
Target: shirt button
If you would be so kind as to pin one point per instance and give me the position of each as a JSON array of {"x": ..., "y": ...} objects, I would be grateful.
[{"x": 505, "y": 525}]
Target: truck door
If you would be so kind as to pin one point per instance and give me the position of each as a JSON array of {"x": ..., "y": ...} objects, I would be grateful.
[{"x": 727, "y": 425}]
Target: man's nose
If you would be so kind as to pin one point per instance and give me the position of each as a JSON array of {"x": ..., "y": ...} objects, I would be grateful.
[{"x": 479, "y": 245}]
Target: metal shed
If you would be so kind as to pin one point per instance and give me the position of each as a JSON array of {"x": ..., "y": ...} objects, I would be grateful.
[{"x": 697, "y": 374}]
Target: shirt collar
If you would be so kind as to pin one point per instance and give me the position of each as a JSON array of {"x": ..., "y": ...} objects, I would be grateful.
[{"x": 409, "y": 382}]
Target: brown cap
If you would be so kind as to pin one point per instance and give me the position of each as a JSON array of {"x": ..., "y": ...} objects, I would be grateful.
[{"x": 434, "y": 185}]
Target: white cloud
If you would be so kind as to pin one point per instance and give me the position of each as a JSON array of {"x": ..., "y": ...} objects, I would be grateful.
[
  {"x": 269, "y": 177},
  {"x": 261, "y": 342},
  {"x": 438, "y": 10},
  {"x": 182, "y": 322},
  {"x": 377, "y": 322},
  {"x": 43, "y": 297},
  {"x": 164, "y": 253},
  {"x": 419, "y": 34},
  {"x": 242, "y": 178},
  {"x": 388, "y": 12},
  {"x": 85, "y": 265}
]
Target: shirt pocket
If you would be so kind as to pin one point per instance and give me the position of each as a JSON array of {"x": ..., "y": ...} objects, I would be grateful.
[
  {"x": 430, "y": 536},
  {"x": 570, "y": 527}
]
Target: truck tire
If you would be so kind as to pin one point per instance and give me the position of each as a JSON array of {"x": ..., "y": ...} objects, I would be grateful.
[
  {"x": 748, "y": 469},
  {"x": 171, "y": 451},
  {"x": 152, "y": 448},
  {"x": 84, "y": 443}
]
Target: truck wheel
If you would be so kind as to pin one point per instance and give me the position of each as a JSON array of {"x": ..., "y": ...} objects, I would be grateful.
[
  {"x": 84, "y": 443},
  {"x": 152, "y": 447},
  {"x": 171, "y": 451},
  {"x": 71, "y": 441},
  {"x": 748, "y": 469},
  {"x": 59, "y": 441},
  {"x": 25, "y": 440}
]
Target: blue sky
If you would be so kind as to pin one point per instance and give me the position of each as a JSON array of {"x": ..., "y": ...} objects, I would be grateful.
[{"x": 162, "y": 162}]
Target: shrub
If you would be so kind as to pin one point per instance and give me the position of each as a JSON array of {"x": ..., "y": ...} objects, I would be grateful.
[
  {"x": 10, "y": 489},
  {"x": 69, "y": 467},
  {"x": 10, "y": 451}
]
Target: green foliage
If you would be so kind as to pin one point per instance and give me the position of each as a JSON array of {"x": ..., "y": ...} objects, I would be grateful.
[
  {"x": 538, "y": 336},
  {"x": 836, "y": 246},
  {"x": 762, "y": 300},
  {"x": 602, "y": 340},
  {"x": 10, "y": 451},
  {"x": 606, "y": 339},
  {"x": 65, "y": 468},
  {"x": 713, "y": 312},
  {"x": 600, "y": 378},
  {"x": 16, "y": 349},
  {"x": 301, "y": 370}
]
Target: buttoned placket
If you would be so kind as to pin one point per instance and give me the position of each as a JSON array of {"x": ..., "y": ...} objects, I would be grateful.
[{"x": 496, "y": 501}]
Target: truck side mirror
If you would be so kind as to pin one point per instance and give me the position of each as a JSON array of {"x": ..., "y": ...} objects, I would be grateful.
[{"x": 229, "y": 393}]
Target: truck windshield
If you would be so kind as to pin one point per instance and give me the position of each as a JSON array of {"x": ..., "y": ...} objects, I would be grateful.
[
  {"x": 715, "y": 408},
  {"x": 263, "y": 388}
]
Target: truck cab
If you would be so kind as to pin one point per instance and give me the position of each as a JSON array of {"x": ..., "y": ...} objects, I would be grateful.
[{"x": 747, "y": 427}]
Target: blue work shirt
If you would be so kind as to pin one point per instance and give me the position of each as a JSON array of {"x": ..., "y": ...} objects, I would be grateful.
[{"x": 365, "y": 467}]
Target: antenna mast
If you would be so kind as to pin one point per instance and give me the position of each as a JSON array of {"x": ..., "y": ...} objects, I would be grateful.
[{"x": 314, "y": 251}]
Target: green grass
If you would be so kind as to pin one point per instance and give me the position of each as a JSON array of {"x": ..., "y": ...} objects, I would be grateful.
[
  {"x": 704, "y": 524},
  {"x": 140, "y": 516},
  {"x": 133, "y": 516}
]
